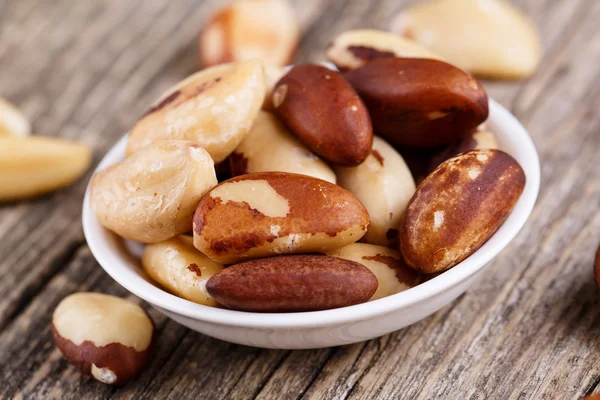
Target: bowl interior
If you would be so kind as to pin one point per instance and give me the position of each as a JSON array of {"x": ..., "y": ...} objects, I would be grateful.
[{"x": 120, "y": 258}]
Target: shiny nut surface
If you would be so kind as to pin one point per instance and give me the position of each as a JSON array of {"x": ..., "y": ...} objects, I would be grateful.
[
  {"x": 33, "y": 166},
  {"x": 393, "y": 275},
  {"x": 250, "y": 29},
  {"x": 323, "y": 110},
  {"x": 270, "y": 146},
  {"x": 475, "y": 140},
  {"x": 384, "y": 184},
  {"x": 214, "y": 108},
  {"x": 458, "y": 207},
  {"x": 151, "y": 196},
  {"x": 104, "y": 336},
  {"x": 353, "y": 49},
  {"x": 420, "y": 103},
  {"x": 293, "y": 283},
  {"x": 269, "y": 213},
  {"x": 181, "y": 269},
  {"x": 12, "y": 121},
  {"x": 490, "y": 38}
]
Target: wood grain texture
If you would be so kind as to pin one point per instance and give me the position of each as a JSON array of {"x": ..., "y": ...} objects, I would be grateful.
[{"x": 529, "y": 329}]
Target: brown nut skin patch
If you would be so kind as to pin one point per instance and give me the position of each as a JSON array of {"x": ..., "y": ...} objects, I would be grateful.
[
  {"x": 597, "y": 267},
  {"x": 419, "y": 161},
  {"x": 475, "y": 140},
  {"x": 321, "y": 216},
  {"x": 420, "y": 103},
  {"x": 238, "y": 164},
  {"x": 293, "y": 284},
  {"x": 458, "y": 207},
  {"x": 223, "y": 169},
  {"x": 323, "y": 110},
  {"x": 124, "y": 361}
]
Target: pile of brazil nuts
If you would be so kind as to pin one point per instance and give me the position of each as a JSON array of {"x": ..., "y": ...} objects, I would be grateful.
[{"x": 314, "y": 206}]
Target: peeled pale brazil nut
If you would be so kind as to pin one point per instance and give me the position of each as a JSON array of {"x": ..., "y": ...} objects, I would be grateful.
[
  {"x": 458, "y": 207},
  {"x": 104, "y": 336},
  {"x": 420, "y": 103},
  {"x": 353, "y": 49},
  {"x": 181, "y": 269},
  {"x": 151, "y": 196},
  {"x": 250, "y": 29},
  {"x": 269, "y": 213},
  {"x": 489, "y": 38},
  {"x": 31, "y": 166},
  {"x": 384, "y": 184},
  {"x": 323, "y": 110},
  {"x": 214, "y": 108},
  {"x": 293, "y": 284},
  {"x": 393, "y": 275},
  {"x": 270, "y": 146}
]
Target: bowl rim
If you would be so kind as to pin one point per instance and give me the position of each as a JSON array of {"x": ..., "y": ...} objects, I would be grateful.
[{"x": 102, "y": 247}]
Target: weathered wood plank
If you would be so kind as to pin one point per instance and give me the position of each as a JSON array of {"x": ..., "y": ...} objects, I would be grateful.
[{"x": 528, "y": 329}]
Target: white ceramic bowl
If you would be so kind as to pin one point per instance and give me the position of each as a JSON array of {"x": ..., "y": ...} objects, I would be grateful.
[{"x": 322, "y": 328}]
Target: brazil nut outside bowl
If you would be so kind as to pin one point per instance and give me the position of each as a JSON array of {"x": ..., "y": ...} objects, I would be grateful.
[{"x": 120, "y": 259}]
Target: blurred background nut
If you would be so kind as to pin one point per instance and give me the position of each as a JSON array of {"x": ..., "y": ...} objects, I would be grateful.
[
  {"x": 181, "y": 269},
  {"x": 269, "y": 146},
  {"x": 151, "y": 196},
  {"x": 33, "y": 166},
  {"x": 393, "y": 275},
  {"x": 250, "y": 29},
  {"x": 490, "y": 38},
  {"x": 104, "y": 336},
  {"x": 214, "y": 108},
  {"x": 384, "y": 184},
  {"x": 353, "y": 49},
  {"x": 12, "y": 120}
]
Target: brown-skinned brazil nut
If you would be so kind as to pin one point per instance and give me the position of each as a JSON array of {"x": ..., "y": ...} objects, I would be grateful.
[
  {"x": 269, "y": 213},
  {"x": 323, "y": 110},
  {"x": 458, "y": 207},
  {"x": 420, "y": 103},
  {"x": 104, "y": 336},
  {"x": 293, "y": 284}
]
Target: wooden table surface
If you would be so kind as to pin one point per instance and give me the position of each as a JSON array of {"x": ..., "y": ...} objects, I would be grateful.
[{"x": 529, "y": 329}]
